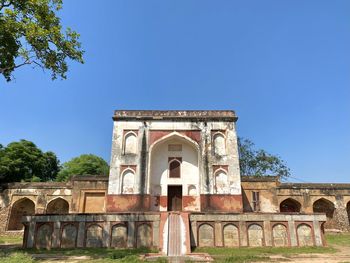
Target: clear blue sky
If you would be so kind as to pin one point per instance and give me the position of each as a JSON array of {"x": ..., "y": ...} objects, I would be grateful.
[{"x": 283, "y": 66}]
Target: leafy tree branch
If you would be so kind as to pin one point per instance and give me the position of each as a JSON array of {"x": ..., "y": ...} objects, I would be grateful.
[{"x": 31, "y": 34}]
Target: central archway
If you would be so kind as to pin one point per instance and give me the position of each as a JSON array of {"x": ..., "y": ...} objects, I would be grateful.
[{"x": 174, "y": 163}]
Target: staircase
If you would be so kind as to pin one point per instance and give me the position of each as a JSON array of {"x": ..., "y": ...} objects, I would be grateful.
[{"x": 174, "y": 235}]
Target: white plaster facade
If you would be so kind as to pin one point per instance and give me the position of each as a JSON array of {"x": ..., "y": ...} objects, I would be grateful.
[{"x": 216, "y": 147}]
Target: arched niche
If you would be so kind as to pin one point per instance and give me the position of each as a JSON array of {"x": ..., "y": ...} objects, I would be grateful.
[
  {"x": 255, "y": 235},
  {"x": 69, "y": 236},
  {"x": 22, "y": 207},
  {"x": 221, "y": 182},
  {"x": 305, "y": 235},
  {"x": 231, "y": 236},
  {"x": 192, "y": 190},
  {"x": 219, "y": 144},
  {"x": 130, "y": 143},
  {"x": 43, "y": 236},
  {"x": 144, "y": 235},
  {"x": 290, "y": 206},
  {"x": 175, "y": 168},
  {"x": 128, "y": 181},
  {"x": 206, "y": 235},
  {"x": 94, "y": 236},
  {"x": 280, "y": 235},
  {"x": 57, "y": 206},
  {"x": 119, "y": 236},
  {"x": 323, "y": 205},
  {"x": 160, "y": 156}
]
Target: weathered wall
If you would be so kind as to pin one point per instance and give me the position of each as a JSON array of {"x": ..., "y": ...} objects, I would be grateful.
[
  {"x": 239, "y": 230},
  {"x": 209, "y": 155},
  {"x": 128, "y": 230},
  {"x": 81, "y": 194},
  {"x": 123, "y": 230},
  {"x": 332, "y": 199}
]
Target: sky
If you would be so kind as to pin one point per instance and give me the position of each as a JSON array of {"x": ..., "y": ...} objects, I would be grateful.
[{"x": 283, "y": 66}]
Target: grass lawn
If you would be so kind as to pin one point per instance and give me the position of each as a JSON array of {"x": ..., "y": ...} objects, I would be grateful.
[
  {"x": 11, "y": 240},
  {"x": 223, "y": 255},
  {"x": 246, "y": 254},
  {"x": 341, "y": 239}
]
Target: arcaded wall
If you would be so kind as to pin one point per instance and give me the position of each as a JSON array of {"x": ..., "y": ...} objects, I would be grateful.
[
  {"x": 331, "y": 199},
  {"x": 85, "y": 194},
  {"x": 129, "y": 230}
]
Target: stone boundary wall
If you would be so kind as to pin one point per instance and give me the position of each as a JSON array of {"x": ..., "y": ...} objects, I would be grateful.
[
  {"x": 91, "y": 230},
  {"x": 131, "y": 230},
  {"x": 257, "y": 229}
]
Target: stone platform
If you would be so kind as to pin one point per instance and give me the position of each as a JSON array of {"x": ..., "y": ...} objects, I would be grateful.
[{"x": 129, "y": 230}]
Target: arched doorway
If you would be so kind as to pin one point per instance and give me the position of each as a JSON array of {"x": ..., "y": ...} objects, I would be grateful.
[
  {"x": 57, "y": 206},
  {"x": 173, "y": 174},
  {"x": 290, "y": 206},
  {"x": 22, "y": 207}
]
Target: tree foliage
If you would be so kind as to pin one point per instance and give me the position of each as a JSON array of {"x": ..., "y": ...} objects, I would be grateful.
[
  {"x": 259, "y": 162},
  {"x": 31, "y": 34},
  {"x": 24, "y": 161},
  {"x": 85, "y": 164}
]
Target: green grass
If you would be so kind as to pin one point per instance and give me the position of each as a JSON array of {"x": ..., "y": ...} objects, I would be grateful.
[
  {"x": 221, "y": 255},
  {"x": 10, "y": 240},
  {"x": 341, "y": 239},
  {"x": 246, "y": 254},
  {"x": 100, "y": 255}
]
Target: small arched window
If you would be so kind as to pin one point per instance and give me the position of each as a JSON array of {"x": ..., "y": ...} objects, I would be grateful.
[
  {"x": 221, "y": 182},
  {"x": 219, "y": 144},
  {"x": 130, "y": 143},
  {"x": 128, "y": 182},
  {"x": 175, "y": 168}
]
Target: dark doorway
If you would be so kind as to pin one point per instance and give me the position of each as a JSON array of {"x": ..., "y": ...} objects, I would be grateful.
[{"x": 174, "y": 197}]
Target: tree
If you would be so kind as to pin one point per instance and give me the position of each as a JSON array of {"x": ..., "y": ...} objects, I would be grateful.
[
  {"x": 24, "y": 161},
  {"x": 31, "y": 34},
  {"x": 259, "y": 162},
  {"x": 85, "y": 164}
]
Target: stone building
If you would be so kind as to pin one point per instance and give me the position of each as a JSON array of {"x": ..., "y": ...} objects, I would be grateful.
[{"x": 174, "y": 184}]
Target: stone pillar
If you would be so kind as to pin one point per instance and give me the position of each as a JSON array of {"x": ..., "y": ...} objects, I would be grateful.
[
  {"x": 218, "y": 234},
  {"x": 156, "y": 233},
  {"x": 267, "y": 233},
  {"x": 194, "y": 234},
  {"x": 31, "y": 234},
  {"x": 317, "y": 234},
  {"x": 131, "y": 234},
  {"x": 243, "y": 235},
  {"x": 56, "y": 234},
  {"x": 292, "y": 234},
  {"x": 106, "y": 234},
  {"x": 81, "y": 234}
]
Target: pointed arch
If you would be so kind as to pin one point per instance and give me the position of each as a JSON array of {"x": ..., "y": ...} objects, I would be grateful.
[
  {"x": 128, "y": 181},
  {"x": 219, "y": 141},
  {"x": 130, "y": 143},
  {"x": 221, "y": 181},
  {"x": 57, "y": 206},
  {"x": 290, "y": 205},
  {"x": 175, "y": 168},
  {"x": 158, "y": 143},
  {"x": 323, "y": 205},
  {"x": 22, "y": 207}
]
